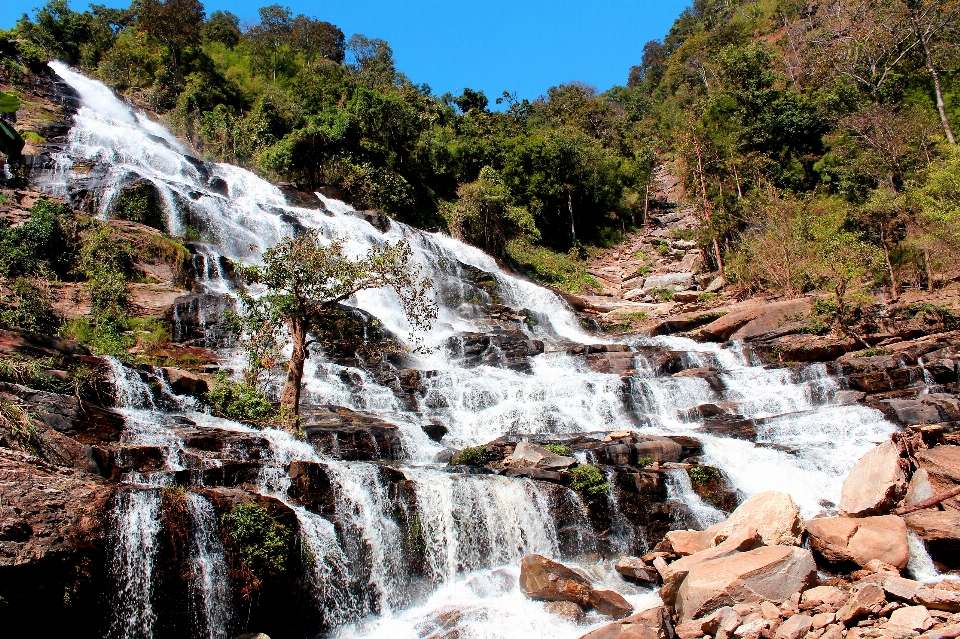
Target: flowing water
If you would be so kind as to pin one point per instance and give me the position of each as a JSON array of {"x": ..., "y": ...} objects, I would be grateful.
[{"x": 471, "y": 530}]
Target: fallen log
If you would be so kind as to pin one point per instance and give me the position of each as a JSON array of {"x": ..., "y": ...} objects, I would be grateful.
[{"x": 928, "y": 502}]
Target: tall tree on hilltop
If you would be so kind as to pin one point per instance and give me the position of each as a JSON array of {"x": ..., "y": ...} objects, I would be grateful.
[{"x": 176, "y": 23}]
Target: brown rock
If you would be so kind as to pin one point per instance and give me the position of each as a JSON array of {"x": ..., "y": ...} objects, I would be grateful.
[
  {"x": 566, "y": 609},
  {"x": 868, "y": 599},
  {"x": 687, "y": 542},
  {"x": 911, "y": 618},
  {"x": 896, "y": 587},
  {"x": 824, "y": 619},
  {"x": 941, "y": 461},
  {"x": 946, "y": 632},
  {"x": 834, "y": 631},
  {"x": 770, "y": 611},
  {"x": 653, "y": 623},
  {"x": 184, "y": 382},
  {"x": 527, "y": 455},
  {"x": 876, "y": 483},
  {"x": 861, "y": 540},
  {"x": 794, "y": 628},
  {"x": 689, "y": 630},
  {"x": 772, "y": 513},
  {"x": 634, "y": 568},
  {"x": 771, "y": 573},
  {"x": 744, "y": 539},
  {"x": 938, "y": 599},
  {"x": 547, "y": 580},
  {"x": 610, "y": 603}
]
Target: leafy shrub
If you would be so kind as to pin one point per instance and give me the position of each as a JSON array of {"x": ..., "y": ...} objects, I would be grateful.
[
  {"x": 662, "y": 247},
  {"x": 262, "y": 542},
  {"x": 929, "y": 312},
  {"x": 662, "y": 294},
  {"x": 873, "y": 352},
  {"x": 706, "y": 297},
  {"x": 564, "y": 270},
  {"x": 702, "y": 475},
  {"x": 139, "y": 203},
  {"x": 238, "y": 400},
  {"x": 19, "y": 422},
  {"x": 645, "y": 269},
  {"x": 589, "y": 482},
  {"x": 42, "y": 246},
  {"x": 683, "y": 234},
  {"x": 559, "y": 449},
  {"x": 26, "y": 305},
  {"x": 471, "y": 456},
  {"x": 643, "y": 462}
]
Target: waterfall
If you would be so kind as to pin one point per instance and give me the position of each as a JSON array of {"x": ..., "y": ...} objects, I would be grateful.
[
  {"x": 133, "y": 524},
  {"x": 379, "y": 563},
  {"x": 210, "y": 589}
]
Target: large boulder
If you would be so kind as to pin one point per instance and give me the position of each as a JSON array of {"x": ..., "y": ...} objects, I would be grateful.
[
  {"x": 547, "y": 580},
  {"x": 861, "y": 539},
  {"x": 773, "y": 514},
  {"x": 772, "y": 573},
  {"x": 942, "y": 467},
  {"x": 674, "y": 574},
  {"x": 876, "y": 483}
]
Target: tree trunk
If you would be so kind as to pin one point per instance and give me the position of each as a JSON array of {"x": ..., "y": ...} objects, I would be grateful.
[
  {"x": 290, "y": 396},
  {"x": 926, "y": 261},
  {"x": 928, "y": 58},
  {"x": 893, "y": 278},
  {"x": 573, "y": 230}
]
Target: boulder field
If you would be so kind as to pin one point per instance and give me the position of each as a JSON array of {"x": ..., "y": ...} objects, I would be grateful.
[{"x": 767, "y": 573}]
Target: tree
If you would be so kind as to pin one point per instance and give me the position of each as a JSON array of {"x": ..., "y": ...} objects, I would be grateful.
[
  {"x": 307, "y": 276},
  {"x": 273, "y": 32},
  {"x": 314, "y": 38},
  {"x": 223, "y": 27},
  {"x": 176, "y": 23}
]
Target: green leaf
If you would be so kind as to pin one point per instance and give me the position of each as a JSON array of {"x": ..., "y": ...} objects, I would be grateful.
[
  {"x": 10, "y": 141},
  {"x": 9, "y": 102}
]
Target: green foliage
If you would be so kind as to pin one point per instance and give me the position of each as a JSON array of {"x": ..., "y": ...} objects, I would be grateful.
[
  {"x": 9, "y": 102},
  {"x": 702, "y": 475},
  {"x": 559, "y": 449},
  {"x": 873, "y": 352},
  {"x": 662, "y": 294},
  {"x": 261, "y": 541},
  {"x": 564, "y": 270},
  {"x": 139, "y": 203},
  {"x": 471, "y": 456},
  {"x": 26, "y": 304},
  {"x": 239, "y": 400},
  {"x": 589, "y": 482},
  {"x": 643, "y": 462},
  {"x": 931, "y": 313},
  {"x": 43, "y": 246},
  {"x": 626, "y": 322},
  {"x": 15, "y": 419},
  {"x": 706, "y": 297}
]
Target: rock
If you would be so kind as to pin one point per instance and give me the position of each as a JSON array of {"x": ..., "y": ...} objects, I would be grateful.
[
  {"x": 434, "y": 430},
  {"x": 869, "y": 599},
  {"x": 773, "y": 514},
  {"x": 834, "y": 631},
  {"x": 751, "y": 629},
  {"x": 629, "y": 450},
  {"x": 876, "y": 483},
  {"x": 946, "y": 632},
  {"x": 822, "y": 595},
  {"x": 506, "y": 349},
  {"x": 634, "y": 568},
  {"x": 753, "y": 318},
  {"x": 911, "y": 618},
  {"x": 896, "y": 587},
  {"x": 689, "y": 630},
  {"x": 527, "y": 455},
  {"x": 184, "y": 382},
  {"x": 715, "y": 285},
  {"x": 940, "y": 529},
  {"x": 687, "y": 542},
  {"x": 729, "y": 622},
  {"x": 861, "y": 540},
  {"x": 350, "y": 435},
  {"x": 876, "y": 565},
  {"x": 824, "y": 619},
  {"x": 769, "y": 611},
  {"x": 653, "y": 623},
  {"x": 543, "y": 579},
  {"x": 794, "y": 628},
  {"x": 675, "y": 573},
  {"x": 942, "y": 465},
  {"x": 938, "y": 599},
  {"x": 919, "y": 488},
  {"x": 771, "y": 573},
  {"x": 610, "y": 603},
  {"x": 566, "y": 609},
  {"x": 253, "y": 635},
  {"x": 668, "y": 281}
]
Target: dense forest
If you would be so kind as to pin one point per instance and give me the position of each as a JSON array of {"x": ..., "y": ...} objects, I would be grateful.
[{"x": 815, "y": 140}]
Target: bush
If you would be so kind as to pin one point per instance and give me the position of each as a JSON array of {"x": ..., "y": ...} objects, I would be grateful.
[
  {"x": 471, "y": 456},
  {"x": 139, "y": 203},
  {"x": 559, "y": 449},
  {"x": 26, "y": 305},
  {"x": 643, "y": 462},
  {"x": 238, "y": 400},
  {"x": 42, "y": 246},
  {"x": 262, "y": 542},
  {"x": 564, "y": 270},
  {"x": 702, "y": 475},
  {"x": 589, "y": 482}
]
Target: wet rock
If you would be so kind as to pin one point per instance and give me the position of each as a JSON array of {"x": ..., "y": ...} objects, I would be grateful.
[
  {"x": 349, "y": 435},
  {"x": 771, "y": 573},
  {"x": 198, "y": 320},
  {"x": 547, "y": 580},
  {"x": 434, "y": 430},
  {"x": 688, "y": 542},
  {"x": 610, "y": 603},
  {"x": 504, "y": 349},
  {"x": 861, "y": 540},
  {"x": 567, "y": 610},
  {"x": 773, "y": 514},
  {"x": 731, "y": 426},
  {"x": 184, "y": 382},
  {"x": 633, "y": 568},
  {"x": 876, "y": 483},
  {"x": 940, "y": 530},
  {"x": 629, "y": 450}
]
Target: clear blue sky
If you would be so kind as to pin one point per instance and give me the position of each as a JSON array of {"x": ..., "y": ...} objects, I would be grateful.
[{"x": 524, "y": 46}]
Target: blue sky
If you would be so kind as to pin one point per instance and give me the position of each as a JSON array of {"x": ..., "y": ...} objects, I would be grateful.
[{"x": 522, "y": 46}]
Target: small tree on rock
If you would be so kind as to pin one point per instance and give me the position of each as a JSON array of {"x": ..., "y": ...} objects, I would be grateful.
[{"x": 305, "y": 277}]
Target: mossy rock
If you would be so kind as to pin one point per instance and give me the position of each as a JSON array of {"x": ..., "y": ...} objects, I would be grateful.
[{"x": 140, "y": 202}]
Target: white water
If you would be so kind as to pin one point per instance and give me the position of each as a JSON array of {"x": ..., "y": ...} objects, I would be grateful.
[
  {"x": 472, "y": 525},
  {"x": 134, "y": 524},
  {"x": 211, "y": 591}
]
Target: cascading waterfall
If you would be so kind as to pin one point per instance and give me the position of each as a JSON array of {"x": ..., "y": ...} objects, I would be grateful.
[{"x": 473, "y": 528}]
